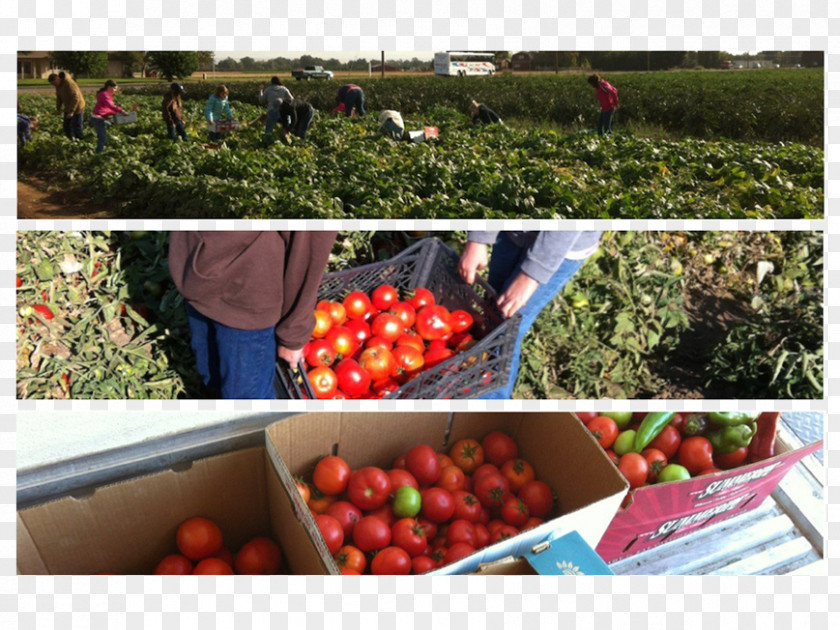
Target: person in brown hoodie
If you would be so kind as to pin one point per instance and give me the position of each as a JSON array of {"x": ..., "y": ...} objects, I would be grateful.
[
  {"x": 173, "y": 112},
  {"x": 250, "y": 298},
  {"x": 69, "y": 102}
]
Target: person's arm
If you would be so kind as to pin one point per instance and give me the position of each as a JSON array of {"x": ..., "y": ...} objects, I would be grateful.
[
  {"x": 306, "y": 259},
  {"x": 226, "y": 108},
  {"x": 208, "y": 110},
  {"x": 474, "y": 256}
]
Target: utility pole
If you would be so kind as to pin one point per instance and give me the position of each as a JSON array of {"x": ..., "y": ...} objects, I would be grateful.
[{"x": 382, "y": 66}]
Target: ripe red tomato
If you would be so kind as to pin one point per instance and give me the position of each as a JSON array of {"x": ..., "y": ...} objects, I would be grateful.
[
  {"x": 727, "y": 461},
  {"x": 709, "y": 471},
  {"x": 433, "y": 322},
  {"x": 539, "y": 498},
  {"x": 678, "y": 422},
  {"x": 408, "y": 534},
  {"x": 434, "y": 356},
  {"x": 412, "y": 340},
  {"x": 422, "y": 564},
  {"x": 225, "y": 554},
  {"x": 332, "y": 474},
  {"x": 324, "y": 382},
  {"x": 635, "y": 469},
  {"x": 461, "y": 342},
  {"x": 461, "y": 321},
  {"x": 319, "y": 353},
  {"x": 212, "y": 566},
  {"x": 384, "y": 297},
  {"x": 352, "y": 379},
  {"x": 518, "y": 472},
  {"x": 515, "y": 512},
  {"x": 386, "y": 513},
  {"x": 331, "y": 531},
  {"x": 429, "y": 527},
  {"x": 467, "y": 454},
  {"x": 420, "y": 297},
  {"x": 656, "y": 462},
  {"x": 260, "y": 556},
  {"x": 405, "y": 312},
  {"x": 343, "y": 342},
  {"x": 199, "y": 538},
  {"x": 438, "y": 505},
  {"x": 586, "y": 416},
  {"x": 467, "y": 506},
  {"x": 457, "y": 552},
  {"x": 323, "y": 323},
  {"x": 668, "y": 441},
  {"x": 696, "y": 454},
  {"x": 388, "y": 326},
  {"x": 604, "y": 429},
  {"x": 349, "y": 572},
  {"x": 351, "y": 558},
  {"x": 491, "y": 489},
  {"x": 369, "y": 488},
  {"x": 498, "y": 448},
  {"x": 485, "y": 469},
  {"x": 384, "y": 387},
  {"x": 371, "y": 314},
  {"x": 379, "y": 363},
  {"x": 451, "y": 479},
  {"x": 400, "y": 478},
  {"x": 444, "y": 460},
  {"x": 422, "y": 462},
  {"x": 360, "y": 329},
  {"x": 391, "y": 561},
  {"x": 357, "y": 305},
  {"x": 347, "y": 515},
  {"x": 336, "y": 310},
  {"x": 409, "y": 363},
  {"x": 174, "y": 564},
  {"x": 371, "y": 533},
  {"x": 43, "y": 310},
  {"x": 319, "y": 502},
  {"x": 460, "y": 530},
  {"x": 378, "y": 342},
  {"x": 503, "y": 533},
  {"x": 531, "y": 523}
]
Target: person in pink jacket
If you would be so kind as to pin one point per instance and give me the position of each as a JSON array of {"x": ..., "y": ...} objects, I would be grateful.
[
  {"x": 608, "y": 98},
  {"x": 105, "y": 106}
]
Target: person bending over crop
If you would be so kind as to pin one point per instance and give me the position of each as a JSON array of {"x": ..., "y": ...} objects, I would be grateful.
[
  {"x": 608, "y": 98},
  {"x": 105, "y": 106},
  {"x": 270, "y": 97},
  {"x": 69, "y": 102},
  {"x": 391, "y": 124},
  {"x": 527, "y": 270},
  {"x": 295, "y": 116},
  {"x": 352, "y": 97},
  {"x": 250, "y": 299},
  {"x": 173, "y": 112},
  {"x": 482, "y": 114},
  {"x": 217, "y": 109},
  {"x": 25, "y": 125}
]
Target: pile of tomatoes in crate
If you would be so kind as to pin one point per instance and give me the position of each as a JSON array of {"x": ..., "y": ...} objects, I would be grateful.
[
  {"x": 368, "y": 346},
  {"x": 657, "y": 447},
  {"x": 203, "y": 552},
  {"x": 430, "y": 509}
]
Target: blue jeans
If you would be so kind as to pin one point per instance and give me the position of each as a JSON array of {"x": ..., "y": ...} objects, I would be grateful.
[
  {"x": 271, "y": 119},
  {"x": 24, "y": 133},
  {"x": 605, "y": 122},
  {"x": 354, "y": 98},
  {"x": 173, "y": 131},
  {"x": 505, "y": 264},
  {"x": 101, "y": 133},
  {"x": 74, "y": 127},
  {"x": 235, "y": 364}
]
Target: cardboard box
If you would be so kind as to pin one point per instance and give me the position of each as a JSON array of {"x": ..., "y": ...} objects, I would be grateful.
[
  {"x": 128, "y": 527},
  {"x": 588, "y": 487},
  {"x": 664, "y": 512}
]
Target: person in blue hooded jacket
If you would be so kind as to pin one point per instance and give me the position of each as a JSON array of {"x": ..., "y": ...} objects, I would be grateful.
[
  {"x": 528, "y": 269},
  {"x": 218, "y": 108}
]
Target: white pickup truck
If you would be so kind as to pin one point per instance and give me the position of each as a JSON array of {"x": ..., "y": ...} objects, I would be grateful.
[{"x": 312, "y": 72}]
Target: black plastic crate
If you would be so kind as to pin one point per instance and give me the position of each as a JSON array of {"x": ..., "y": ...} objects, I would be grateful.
[{"x": 431, "y": 264}]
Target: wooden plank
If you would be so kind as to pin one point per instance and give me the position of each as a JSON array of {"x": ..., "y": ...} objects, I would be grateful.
[
  {"x": 820, "y": 568},
  {"x": 768, "y": 559}
]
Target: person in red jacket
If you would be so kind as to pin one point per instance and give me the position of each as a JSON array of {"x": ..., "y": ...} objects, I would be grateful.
[
  {"x": 608, "y": 98},
  {"x": 250, "y": 299}
]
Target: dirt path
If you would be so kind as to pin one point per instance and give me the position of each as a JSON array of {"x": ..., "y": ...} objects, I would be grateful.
[{"x": 36, "y": 201}]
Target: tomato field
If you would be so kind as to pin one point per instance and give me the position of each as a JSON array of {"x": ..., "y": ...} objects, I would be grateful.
[
  {"x": 651, "y": 314},
  {"x": 686, "y": 144}
]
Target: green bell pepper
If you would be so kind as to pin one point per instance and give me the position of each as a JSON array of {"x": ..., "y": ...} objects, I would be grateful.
[
  {"x": 732, "y": 419},
  {"x": 730, "y": 439}
]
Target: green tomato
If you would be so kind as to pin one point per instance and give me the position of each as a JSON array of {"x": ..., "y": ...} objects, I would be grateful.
[
  {"x": 621, "y": 418},
  {"x": 674, "y": 472},
  {"x": 407, "y": 502},
  {"x": 624, "y": 442}
]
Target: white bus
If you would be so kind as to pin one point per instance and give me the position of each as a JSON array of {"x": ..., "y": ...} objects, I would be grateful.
[{"x": 464, "y": 64}]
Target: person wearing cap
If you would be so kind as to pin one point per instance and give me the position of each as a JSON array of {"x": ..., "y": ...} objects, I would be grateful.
[
  {"x": 391, "y": 124},
  {"x": 352, "y": 97},
  {"x": 70, "y": 102},
  {"x": 295, "y": 115},
  {"x": 251, "y": 299},
  {"x": 173, "y": 112},
  {"x": 217, "y": 108},
  {"x": 608, "y": 99},
  {"x": 482, "y": 114},
  {"x": 269, "y": 97},
  {"x": 527, "y": 269},
  {"x": 105, "y": 106}
]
